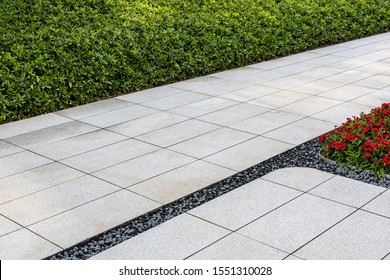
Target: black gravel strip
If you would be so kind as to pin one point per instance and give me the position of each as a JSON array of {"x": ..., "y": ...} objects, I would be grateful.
[{"x": 304, "y": 155}]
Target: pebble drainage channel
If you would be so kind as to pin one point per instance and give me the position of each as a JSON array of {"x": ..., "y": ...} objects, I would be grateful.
[{"x": 304, "y": 155}]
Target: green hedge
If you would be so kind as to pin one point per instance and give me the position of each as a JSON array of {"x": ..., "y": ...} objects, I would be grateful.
[{"x": 56, "y": 54}]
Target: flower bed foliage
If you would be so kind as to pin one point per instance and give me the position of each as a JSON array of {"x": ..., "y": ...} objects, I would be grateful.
[
  {"x": 362, "y": 142},
  {"x": 61, "y": 53}
]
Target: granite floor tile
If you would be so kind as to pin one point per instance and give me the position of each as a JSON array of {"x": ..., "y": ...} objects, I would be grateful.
[
  {"x": 147, "y": 124},
  {"x": 300, "y": 178},
  {"x": 245, "y": 204},
  {"x": 150, "y": 94},
  {"x": 249, "y": 93},
  {"x": 177, "y": 133},
  {"x": 310, "y": 106},
  {"x": 316, "y": 87},
  {"x": 25, "y": 245},
  {"x": 345, "y": 93},
  {"x": 159, "y": 243},
  {"x": 196, "y": 83},
  {"x": 212, "y": 142},
  {"x": 348, "y": 191},
  {"x": 224, "y": 87},
  {"x": 289, "y": 82},
  {"x": 380, "y": 205},
  {"x": 266, "y": 122},
  {"x": 180, "y": 182},
  {"x": 51, "y": 134},
  {"x": 20, "y": 162},
  {"x": 296, "y": 223},
  {"x": 94, "y": 108},
  {"x": 27, "y": 125},
  {"x": 278, "y": 99},
  {"x": 78, "y": 144},
  {"x": 52, "y": 201},
  {"x": 176, "y": 100},
  {"x": 119, "y": 116},
  {"x": 374, "y": 99},
  {"x": 376, "y": 81},
  {"x": 203, "y": 107},
  {"x": 238, "y": 74},
  {"x": 321, "y": 72},
  {"x": 249, "y": 153},
  {"x": 34, "y": 180},
  {"x": 300, "y": 131},
  {"x": 340, "y": 113},
  {"x": 238, "y": 247},
  {"x": 142, "y": 168},
  {"x": 109, "y": 155},
  {"x": 7, "y": 149},
  {"x": 362, "y": 236},
  {"x": 231, "y": 115},
  {"x": 97, "y": 216},
  {"x": 292, "y": 258},
  {"x": 7, "y": 226}
]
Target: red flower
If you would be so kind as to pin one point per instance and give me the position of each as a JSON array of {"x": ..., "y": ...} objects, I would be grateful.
[{"x": 367, "y": 155}]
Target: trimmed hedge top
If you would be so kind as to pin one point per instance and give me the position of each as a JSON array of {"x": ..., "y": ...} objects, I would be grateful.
[{"x": 56, "y": 54}]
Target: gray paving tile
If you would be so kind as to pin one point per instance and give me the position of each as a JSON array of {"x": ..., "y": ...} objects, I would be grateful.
[
  {"x": 212, "y": 142},
  {"x": 321, "y": 72},
  {"x": 326, "y": 59},
  {"x": 177, "y": 133},
  {"x": 316, "y": 87},
  {"x": 150, "y": 94},
  {"x": 289, "y": 82},
  {"x": 345, "y": 93},
  {"x": 375, "y": 67},
  {"x": 160, "y": 242},
  {"x": 25, "y": 245},
  {"x": 300, "y": 178},
  {"x": 245, "y": 204},
  {"x": 266, "y": 122},
  {"x": 44, "y": 204},
  {"x": 78, "y": 144},
  {"x": 349, "y": 76},
  {"x": 387, "y": 257},
  {"x": 176, "y": 100},
  {"x": 203, "y": 107},
  {"x": 296, "y": 223},
  {"x": 238, "y": 247},
  {"x": 51, "y": 134},
  {"x": 96, "y": 216},
  {"x": 310, "y": 106},
  {"x": 300, "y": 131},
  {"x": 147, "y": 124},
  {"x": 34, "y": 180},
  {"x": 278, "y": 99},
  {"x": 193, "y": 84},
  {"x": 357, "y": 52},
  {"x": 380, "y": 205},
  {"x": 347, "y": 191},
  {"x": 143, "y": 168},
  {"x": 223, "y": 87},
  {"x": 109, "y": 155},
  {"x": 181, "y": 182},
  {"x": 231, "y": 115},
  {"x": 249, "y": 93},
  {"x": 119, "y": 116},
  {"x": 248, "y": 153},
  {"x": 376, "y": 81},
  {"x": 374, "y": 99},
  {"x": 94, "y": 108},
  {"x": 31, "y": 124},
  {"x": 20, "y": 162},
  {"x": 362, "y": 236},
  {"x": 7, "y": 226},
  {"x": 330, "y": 49},
  {"x": 340, "y": 113},
  {"x": 238, "y": 74},
  {"x": 7, "y": 149}
]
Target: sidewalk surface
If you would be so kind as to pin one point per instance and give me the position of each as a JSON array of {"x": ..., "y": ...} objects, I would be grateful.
[{"x": 70, "y": 175}]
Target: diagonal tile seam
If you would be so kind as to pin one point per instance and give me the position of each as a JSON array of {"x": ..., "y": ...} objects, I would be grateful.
[
  {"x": 343, "y": 219},
  {"x": 192, "y": 200},
  {"x": 385, "y": 256}
]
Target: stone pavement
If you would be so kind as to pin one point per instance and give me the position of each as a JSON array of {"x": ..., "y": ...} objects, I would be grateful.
[{"x": 69, "y": 175}]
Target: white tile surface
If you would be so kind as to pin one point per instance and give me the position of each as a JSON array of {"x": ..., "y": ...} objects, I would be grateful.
[{"x": 168, "y": 241}]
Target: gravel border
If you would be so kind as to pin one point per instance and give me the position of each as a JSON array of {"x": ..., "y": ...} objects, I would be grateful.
[{"x": 304, "y": 155}]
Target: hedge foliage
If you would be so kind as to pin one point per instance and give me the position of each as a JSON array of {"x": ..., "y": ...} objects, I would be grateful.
[{"x": 56, "y": 54}]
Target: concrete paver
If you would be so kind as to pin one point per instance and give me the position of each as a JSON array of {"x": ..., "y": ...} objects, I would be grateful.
[{"x": 127, "y": 141}]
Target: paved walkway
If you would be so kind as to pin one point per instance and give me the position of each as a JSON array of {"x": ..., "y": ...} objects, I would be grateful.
[{"x": 69, "y": 175}]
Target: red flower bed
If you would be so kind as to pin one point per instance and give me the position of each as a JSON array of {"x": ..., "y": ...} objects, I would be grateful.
[{"x": 362, "y": 142}]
